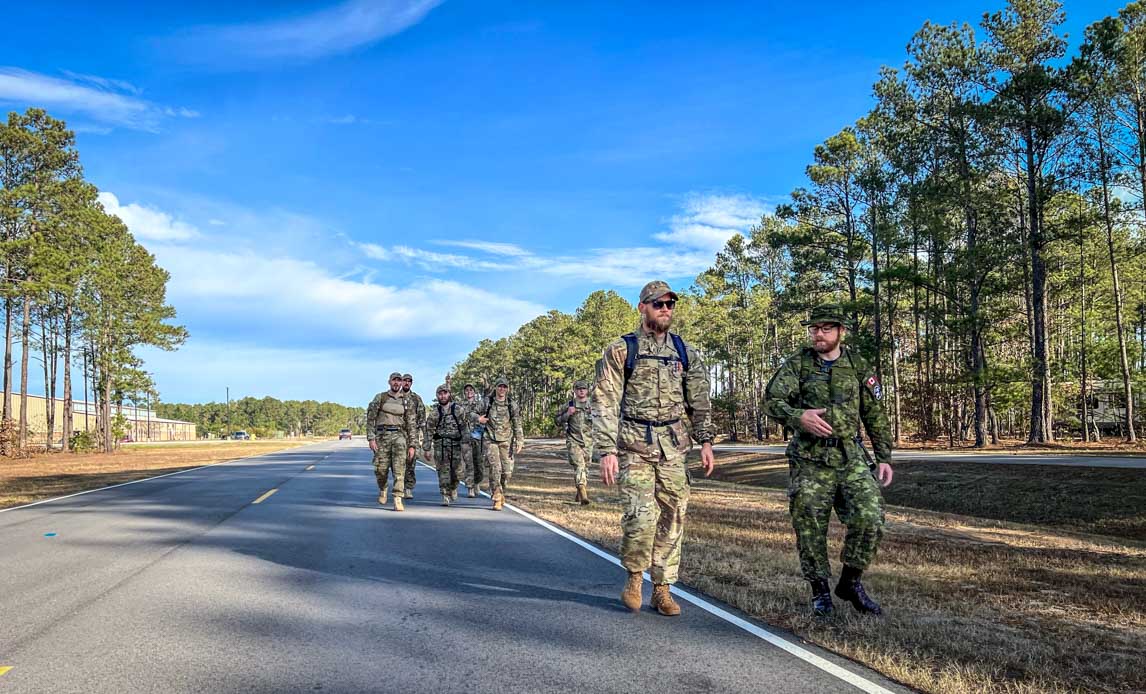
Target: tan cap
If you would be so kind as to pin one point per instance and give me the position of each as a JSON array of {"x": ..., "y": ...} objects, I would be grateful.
[
  {"x": 407, "y": 377},
  {"x": 442, "y": 389},
  {"x": 580, "y": 384},
  {"x": 655, "y": 290},
  {"x": 502, "y": 381},
  {"x": 394, "y": 375}
]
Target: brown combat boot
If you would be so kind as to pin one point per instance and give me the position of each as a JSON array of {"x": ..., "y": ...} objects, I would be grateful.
[
  {"x": 498, "y": 501},
  {"x": 398, "y": 506},
  {"x": 583, "y": 493},
  {"x": 662, "y": 601},
  {"x": 631, "y": 595},
  {"x": 577, "y": 496},
  {"x": 382, "y": 496},
  {"x": 471, "y": 493}
]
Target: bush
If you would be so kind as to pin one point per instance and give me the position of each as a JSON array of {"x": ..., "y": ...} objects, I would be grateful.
[{"x": 82, "y": 442}]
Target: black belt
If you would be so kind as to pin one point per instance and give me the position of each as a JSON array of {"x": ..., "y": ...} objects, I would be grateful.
[
  {"x": 381, "y": 428},
  {"x": 650, "y": 424},
  {"x": 833, "y": 442},
  {"x": 446, "y": 438}
]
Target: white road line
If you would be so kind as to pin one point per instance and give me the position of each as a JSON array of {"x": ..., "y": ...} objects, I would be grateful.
[
  {"x": 145, "y": 479},
  {"x": 807, "y": 656}
]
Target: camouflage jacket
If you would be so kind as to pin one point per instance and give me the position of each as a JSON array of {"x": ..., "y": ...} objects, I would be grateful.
[
  {"x": 504, "y": 421},
  {"x": 577, "y": 426},
  {"x": 384, "y": 411},
  {"x": 468, "y": 411},
  {"x": 419, "y": 407},
  {"x": 445, "y": 422},
  {"x": 659, "y": 390},
  {"x": 849, "y": 392}
]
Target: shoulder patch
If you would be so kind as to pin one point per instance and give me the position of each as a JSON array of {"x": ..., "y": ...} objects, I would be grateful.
[{"x": 874, "y": 386}]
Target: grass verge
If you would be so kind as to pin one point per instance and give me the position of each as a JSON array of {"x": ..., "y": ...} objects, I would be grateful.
[
  {"x": 47, "y": 475},
  {"x": 973, "y": 605}
]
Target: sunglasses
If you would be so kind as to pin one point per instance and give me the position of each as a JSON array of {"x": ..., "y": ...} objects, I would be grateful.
[{"x": 667, "y": 303}]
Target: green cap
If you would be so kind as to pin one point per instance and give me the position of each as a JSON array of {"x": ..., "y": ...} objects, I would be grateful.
[
  {"x": 655, "y": 290},
  {"x": 501, "y": 381},
  {"x": 394, "y": 375},
  {"x": 442, "y": 389},
  {"x": 827, "y": 313},
  {"x": 407, "y": 377},
  {"x": 580, "y": 384},
  {"x": 468, "y": 385}
]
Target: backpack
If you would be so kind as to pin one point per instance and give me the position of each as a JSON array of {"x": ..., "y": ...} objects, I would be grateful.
[
  {"x": 632, "y": 350},
  {"x": 453, "y": 413}
]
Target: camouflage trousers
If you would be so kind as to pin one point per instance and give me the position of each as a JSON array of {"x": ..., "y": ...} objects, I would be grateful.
[
  {"x": 654, "y": 491},
  {"x": 579, "y": 455},
  {"x": 499, "y": 464},
  {"x": 474, "y": 461},
  {"x": 391, "y": 458},
  {"x": 448, "y": 461},
  {"x": 813, "y": 491},
  {"x": 412, "y": 465}
]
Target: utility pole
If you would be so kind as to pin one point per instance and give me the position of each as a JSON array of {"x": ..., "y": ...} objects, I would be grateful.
[{"x": 229, "y": 411}]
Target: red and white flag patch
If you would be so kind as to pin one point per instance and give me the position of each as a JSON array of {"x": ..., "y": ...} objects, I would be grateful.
[{"x": 876, "y": 388}]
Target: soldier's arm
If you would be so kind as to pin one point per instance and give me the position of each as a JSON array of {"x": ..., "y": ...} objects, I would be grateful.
[
  {"x": 874, "y": 417},
  {"x": 699, "y": 402},
  {"x": 605, "y": 401},
  {"x": 518, "y": 431},
  {"x": 410, "y": 423},
  {"x": 372, "y": 416},
  {"x": 563, "y": 415},
  {"x": 782, "y": 391},
  {"x": 431, "y": 425}
]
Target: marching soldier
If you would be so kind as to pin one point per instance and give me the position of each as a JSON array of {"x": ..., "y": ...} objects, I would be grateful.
[
  {"x": 503, "y": 430},
  {"x": 419, "y": 407},
  {"x": 576, "y": 418},
  {"x": 390, "y": 428},
  {"x": 444, "y": 432}
]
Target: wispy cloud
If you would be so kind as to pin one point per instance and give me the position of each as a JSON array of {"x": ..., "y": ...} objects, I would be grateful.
[
  {"x": 107, "y": 101},
  {"x": 708, "y": 221},
  {"x": 428, "y": 260},
  {"x": 147, "y": 223},
  {"x": 492, "y": 247},
  {"x": 344, "y": 27}
]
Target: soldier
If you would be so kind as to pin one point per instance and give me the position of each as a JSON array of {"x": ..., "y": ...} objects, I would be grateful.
[
  {"x": 823, "y": 393},
  {"x": 502, "y": 423},
  {"x": 444, "y": 432},
  {"x": 575, "y": 417},
  {"x": 473, "y": 455},
  {"x": 419, "y": 407},
  {"x": 646, "y": 382},
  {"x": 390, "y": 428}
]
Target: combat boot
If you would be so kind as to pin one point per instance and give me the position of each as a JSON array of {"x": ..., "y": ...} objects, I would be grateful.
[
  {"x": 849, "y": 588},
  {"x": 382, "y": 496},
  {"x": 498, "y": 501},
  {"x": 408, "y": 494},
  {"x": 398, "y": 506},
  {"x": 454, "y": 494},
  {"x": 472, "y": 493},
  {"x": 631, "y": 595},
  {"x": 445, "y": 499},
  {"x": 662, "y": 601},
  {"x": 577, "y": 496},
  {"x": 583, "y": 492},
  {"x": 821, "y": 598}
]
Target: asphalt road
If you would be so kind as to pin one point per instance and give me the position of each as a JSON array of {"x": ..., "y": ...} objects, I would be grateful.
[
  {"x": 1069, "y": 459},
  {"x": 185, "y": 584}
]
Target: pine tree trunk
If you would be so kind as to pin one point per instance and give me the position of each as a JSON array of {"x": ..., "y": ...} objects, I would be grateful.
[
  {"x": 25, "y": 348},
  {"x": 66, "y": 426}
]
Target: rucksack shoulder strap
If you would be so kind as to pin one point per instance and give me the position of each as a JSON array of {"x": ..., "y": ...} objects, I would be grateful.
[{"x": 632, "y": 347}]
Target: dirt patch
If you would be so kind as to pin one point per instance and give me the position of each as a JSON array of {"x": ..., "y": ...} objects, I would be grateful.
[
  {"x": 972, "y": 605},
  {"x": 47, "y": 475}
]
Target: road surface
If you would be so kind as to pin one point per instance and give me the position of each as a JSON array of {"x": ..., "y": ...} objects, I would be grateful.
[{"x": 281, "y": 573}]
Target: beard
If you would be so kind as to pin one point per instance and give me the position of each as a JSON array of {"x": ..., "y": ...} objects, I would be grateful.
[
  {"x": 658, "y": 324},
  {"x": 823, "y": 345},
  {"x": 405, "y": 389}
]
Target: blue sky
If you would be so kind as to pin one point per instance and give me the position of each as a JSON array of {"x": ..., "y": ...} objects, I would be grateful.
[{"x": 343, "y": 189}]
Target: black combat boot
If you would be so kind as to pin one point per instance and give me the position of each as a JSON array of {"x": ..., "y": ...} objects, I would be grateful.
[
  {"x": 849, "y": 588},
  {"x": 821, "y": 598}
]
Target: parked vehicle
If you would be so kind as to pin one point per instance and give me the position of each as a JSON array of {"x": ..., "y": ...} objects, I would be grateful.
[
  {"x": 240, "y": 436},
  {"x": 345, "y": 434}
]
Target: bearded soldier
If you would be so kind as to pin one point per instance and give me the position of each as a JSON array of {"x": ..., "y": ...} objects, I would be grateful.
[
  {"x": 647, "y": 382},
  {"x": 419, "y": 407},
  {"x": 444, "y": 432},
  {"x": 503, "y": 430},
  {"x": 390, "y": 428},
  {"x": 473, "y": 454},
  {"x": 825, "y": 393},
  {"x": 575, "y": 418}
]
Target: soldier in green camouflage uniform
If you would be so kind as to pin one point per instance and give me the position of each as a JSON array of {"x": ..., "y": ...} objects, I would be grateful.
[
  {"x": 825, "y": 393},
  {"x": 638, "y": 429},
  {"x": 503, "y": 430},
  {"x": 473, "y": 454},
  {"x": 390, "y": 429},
  {"x": 444, "y": 431},
  {"x": 575, "y": 418},
  {"x": 419, "y": 407}
]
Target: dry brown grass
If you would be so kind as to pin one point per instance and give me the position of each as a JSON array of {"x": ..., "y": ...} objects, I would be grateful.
[
  {"x": 47, "y": 475},
  {"x": 972, "y": 605}
]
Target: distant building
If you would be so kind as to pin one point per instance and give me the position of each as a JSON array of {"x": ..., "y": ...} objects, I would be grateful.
[{"x": 141, "y": 423}]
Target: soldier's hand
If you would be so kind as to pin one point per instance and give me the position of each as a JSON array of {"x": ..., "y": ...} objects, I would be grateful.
[
  {"x": 571, "y": 411},
  {"x": 373, "y": 445},
  {"x": 410, "y": 453},
  {"x": 707, "y": 459},
  {"x": 814, "y": 424},
  {"x": 609, "y": 465},
  {"x": 482, "y": 419},
  {"x": 884, "y": 473}
]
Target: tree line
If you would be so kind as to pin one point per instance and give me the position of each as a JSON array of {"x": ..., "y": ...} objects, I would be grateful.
[
  {"x": 982, "y": 226},
  {"x": 267, "y": 417},
  {"x": 77, "y": 292}
]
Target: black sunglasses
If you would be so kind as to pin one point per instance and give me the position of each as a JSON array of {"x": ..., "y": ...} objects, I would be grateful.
[{"x": 667, "y": 303}]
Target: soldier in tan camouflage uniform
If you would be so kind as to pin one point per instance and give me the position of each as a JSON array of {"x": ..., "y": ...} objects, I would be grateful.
[
  {"x": 575, "y": 418},
  {"x": 647, "y": 382},
  {"x": 505, "y": 438},
  {"x": 419, "y": 407},
  {"x": 390, "y": 428},
  {"x": 473, "y": 453},
  {"x": 825, "y": 393},
  {"x": 444, "y": 431}
]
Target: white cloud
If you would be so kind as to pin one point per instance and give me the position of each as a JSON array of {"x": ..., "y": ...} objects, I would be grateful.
[
  {"x": 428, "y": 260},
  {"x": 338, "y": 29},
  {"x": 147, "y": 223},
  {"x": 492, "y": 247},
  {"x": 94, "y": 97},
  {"x": 105, "y": 83},
  {"x": 708, "y": 221}
]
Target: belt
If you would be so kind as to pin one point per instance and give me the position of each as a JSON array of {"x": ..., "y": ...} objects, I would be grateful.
[
  {"x": 384, "y": 428},
  {"x": 650, "y": 424},
  {"x": 833, "y": 442},
  {"x": 438, "y": 437}
]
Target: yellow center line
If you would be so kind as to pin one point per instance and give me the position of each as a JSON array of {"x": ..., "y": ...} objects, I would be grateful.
[
  {"x": 310, "y": 467},
  {"x": 4, "y": 668},
  {"x": 263, "y": 498}
]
